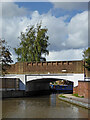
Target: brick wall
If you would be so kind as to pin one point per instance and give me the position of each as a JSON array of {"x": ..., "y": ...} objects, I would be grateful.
[
  {"x": 9, "y": 83},
  {"x": 82, "y": 89},
  {"x": 75, "y": 90},
  {"x": 45, "y": 67}
]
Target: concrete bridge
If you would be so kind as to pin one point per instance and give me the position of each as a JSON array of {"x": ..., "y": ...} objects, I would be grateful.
[
  {"x": 41, "y": 82},
  {"x": 38, "y": 75},
  {"x": 32, "y": 82}
]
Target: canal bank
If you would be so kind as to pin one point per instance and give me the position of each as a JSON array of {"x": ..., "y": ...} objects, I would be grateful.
[{"x": 82, "y": 102}]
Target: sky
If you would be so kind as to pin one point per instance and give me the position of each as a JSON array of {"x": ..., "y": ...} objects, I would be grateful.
[{"x": 67, "y": 24}]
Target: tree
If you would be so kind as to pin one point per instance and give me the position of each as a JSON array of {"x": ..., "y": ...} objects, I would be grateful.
[
  {"x": 33, "y": 44},
  {"x": 86, "y": 56},
  {"x": 5, "y": 56}
]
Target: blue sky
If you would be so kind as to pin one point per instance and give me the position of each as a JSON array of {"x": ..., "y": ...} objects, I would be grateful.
[
  {"x": 45, "y": 7},
  {"x": 42, "y": 7},
  {"x": 67, "y": 25}
]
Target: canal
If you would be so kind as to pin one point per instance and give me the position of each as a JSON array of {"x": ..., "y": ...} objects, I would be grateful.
[{"x": 48, "y": 106}]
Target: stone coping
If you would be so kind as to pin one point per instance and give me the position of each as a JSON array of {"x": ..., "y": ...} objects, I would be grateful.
[{"x": 71, "y": 99}]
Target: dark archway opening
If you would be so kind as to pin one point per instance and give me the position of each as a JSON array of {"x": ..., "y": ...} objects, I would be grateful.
[{"x": 49, "y": 85}]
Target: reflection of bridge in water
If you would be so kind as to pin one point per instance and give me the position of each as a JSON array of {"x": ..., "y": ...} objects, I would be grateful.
[{"x": 37, "y": 76}]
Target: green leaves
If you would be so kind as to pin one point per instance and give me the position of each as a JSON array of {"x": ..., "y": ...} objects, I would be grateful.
[
  {"x": 5, "y": 55},
  {"x": 86, "y": 56},
  {"x": 33, "y": 44}
]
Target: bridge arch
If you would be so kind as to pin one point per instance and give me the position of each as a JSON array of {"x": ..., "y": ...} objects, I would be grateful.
[
  {"x": 48, "y": 80},
  {"x": 41, "y": 84},
  {"x": 70, "y": 77}
]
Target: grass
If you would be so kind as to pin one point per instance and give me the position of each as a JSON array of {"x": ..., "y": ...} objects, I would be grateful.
[
  {"x": 76, "y": 95},
  {"x": 62, "y": 96}
]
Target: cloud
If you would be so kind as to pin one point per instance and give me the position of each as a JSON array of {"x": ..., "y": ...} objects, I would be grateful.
[
  {"x": 10, "y": 9},
  {"x": 71, "y": 5},
  {"x": 78, "y": 31},
  {"x": 66, "y": 39},
  {"x": 57, "y": 30},
  {"x": 64, "y": 55},
  {"x": 69, "y": 0},
  {"x": 24, "y": 0},
  {"x": 11, "y": 29},
  {"x": 65, "y": 35},
  {"x": 45, "y": 0}
]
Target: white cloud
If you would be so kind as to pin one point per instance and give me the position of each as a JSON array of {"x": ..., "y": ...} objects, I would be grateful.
[
  {"x": 11, "y": 29},
  {"x": 6, "y": 0},
  {"x": 0, "y": 20},
  {"x": 69, "y": 0},
  {"x": 71, "y": 5},
  {"x": 62, "y": 55},
  {"x": 24, "y": 0},
  {"x": 9, "y": 10},
  {"x": 78, "y": 31},
  {"x": 58, "y": 30},
  {"x": 45, "y": 0}
]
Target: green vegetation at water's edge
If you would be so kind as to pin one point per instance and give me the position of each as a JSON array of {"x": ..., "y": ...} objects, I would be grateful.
[
  {"x": 62, "y": 96},
  {"x": 76, "y": 95}
]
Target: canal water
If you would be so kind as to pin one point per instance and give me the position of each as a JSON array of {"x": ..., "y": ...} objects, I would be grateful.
[{"x": 48, "y": 106}]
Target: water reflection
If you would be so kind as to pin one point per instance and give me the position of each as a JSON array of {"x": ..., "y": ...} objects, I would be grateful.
[{"x": 41, "y": 107}]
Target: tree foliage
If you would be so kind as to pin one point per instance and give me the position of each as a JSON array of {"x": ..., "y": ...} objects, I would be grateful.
[
  {"x": 5, "y": 55},
  {"x": 33, "y": 44},
  {"x": 86, "y": 56}
]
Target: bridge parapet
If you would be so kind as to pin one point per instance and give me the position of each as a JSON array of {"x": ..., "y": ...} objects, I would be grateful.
[{"x": 46, "y": 67}]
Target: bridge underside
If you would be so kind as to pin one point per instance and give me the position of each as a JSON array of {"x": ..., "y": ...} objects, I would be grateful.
[
  {"x": 53, "y": 77},
  {"x": 40, "y": 84}
]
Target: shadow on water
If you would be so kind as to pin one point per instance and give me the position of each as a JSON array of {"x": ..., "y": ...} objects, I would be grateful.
[{"x": 46, "y": 92}]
